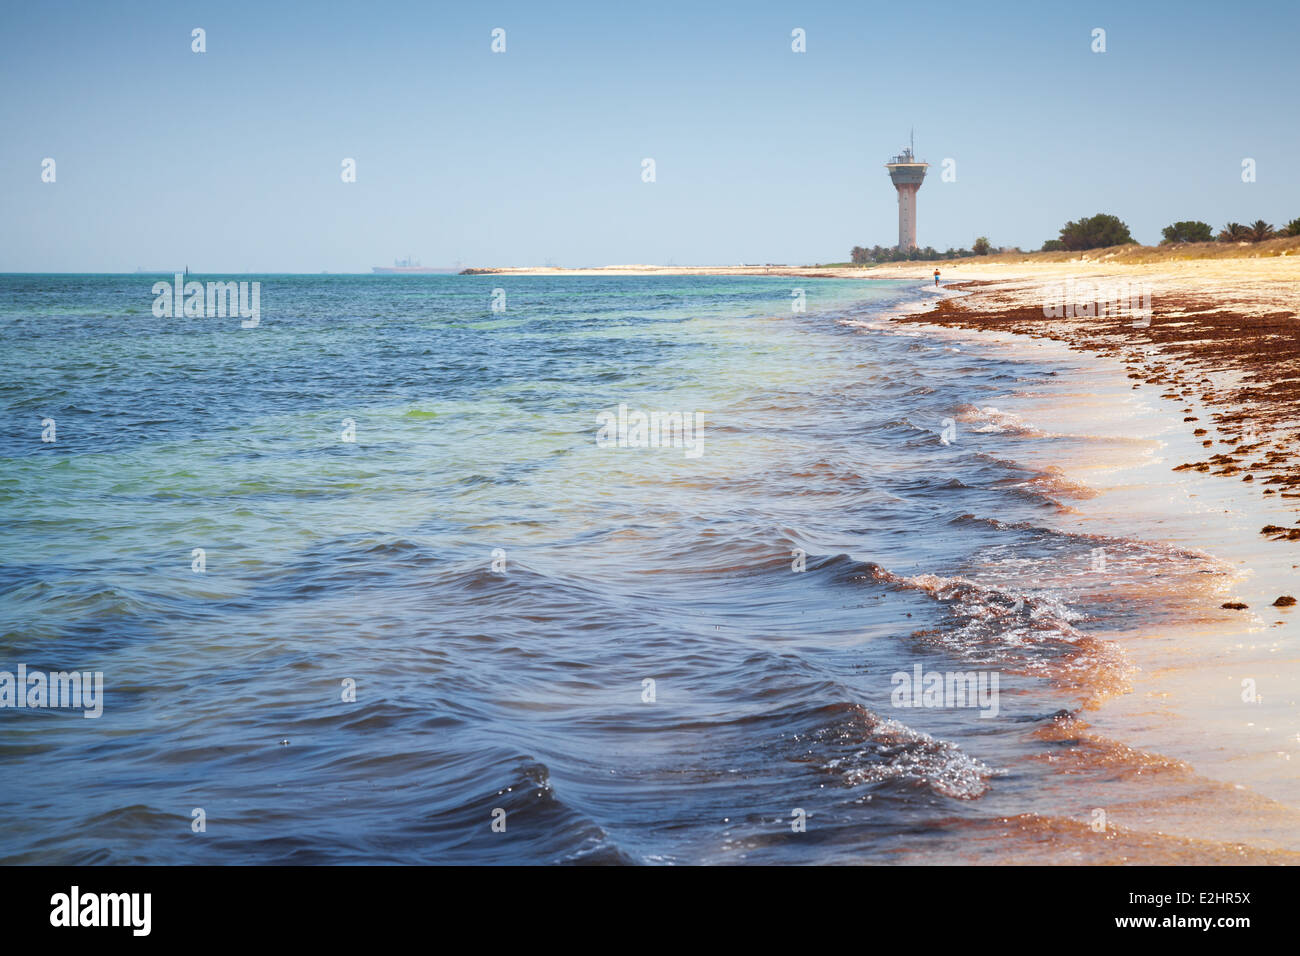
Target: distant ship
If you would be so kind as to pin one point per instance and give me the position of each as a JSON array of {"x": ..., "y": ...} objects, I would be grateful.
[{"x": 407, "y": 265}]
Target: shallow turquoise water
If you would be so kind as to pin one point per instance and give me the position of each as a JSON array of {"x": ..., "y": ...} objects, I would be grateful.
[{"x": 519, "y": 687}]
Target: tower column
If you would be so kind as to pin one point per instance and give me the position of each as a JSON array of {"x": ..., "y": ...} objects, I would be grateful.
[
  {"x": 907, "y": 175},
  {"x": 907, "y": 215}
]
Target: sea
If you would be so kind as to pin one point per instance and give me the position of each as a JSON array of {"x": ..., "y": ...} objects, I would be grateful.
[{"x": 440, "y": 569}]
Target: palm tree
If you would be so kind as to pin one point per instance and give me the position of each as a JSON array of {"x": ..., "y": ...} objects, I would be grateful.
[
  {"x": 1292, "y": 228},
  {"x": 1260, "y": 230},
  {"x": 1234, "y": 232}
]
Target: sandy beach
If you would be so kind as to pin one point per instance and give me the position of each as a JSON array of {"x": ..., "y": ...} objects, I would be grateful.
[
  {"x": 1216, "y": 359},
  {"x": 1221, "y": 334}
]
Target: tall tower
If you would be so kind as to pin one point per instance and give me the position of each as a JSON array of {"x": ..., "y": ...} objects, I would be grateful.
[{"x": 907, "y": 175}]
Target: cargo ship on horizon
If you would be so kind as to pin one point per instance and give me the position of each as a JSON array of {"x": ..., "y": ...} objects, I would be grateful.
[{"x": 406, "y": 266}]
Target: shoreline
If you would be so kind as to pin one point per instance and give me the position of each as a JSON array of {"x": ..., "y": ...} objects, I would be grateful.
[
  {"x": 1224, "y": 347},
  {"x": 1209, "y": 257},
  {"x": 1207, "y": 368},
  {"x": 1222, "y": 333}
]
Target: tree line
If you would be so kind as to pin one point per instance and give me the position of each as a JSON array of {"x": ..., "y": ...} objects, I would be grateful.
[
  {"x": 863, "y": 256},
  {"x": 1197, "y": 231},
  {"x": 1103, "y": 229},
  {"x": 1093, "y": 232}
]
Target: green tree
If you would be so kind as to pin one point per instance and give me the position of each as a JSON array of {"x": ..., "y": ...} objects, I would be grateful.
[
  {"x": 982, "y": 246},
  {"x": 1053, "y": 245},
  {"x": 1292, "y": 228},
  {"x": 1094, "y": 232},
  {"x": 1260, "y": 230},
  {"x": 859, "y": 256},
  {"x": 1234, "y": 232},
  {"x": 1191, "y": 231}
]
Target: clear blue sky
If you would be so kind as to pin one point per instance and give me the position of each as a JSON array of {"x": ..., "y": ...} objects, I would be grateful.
[{"x": 230, "y": 160}]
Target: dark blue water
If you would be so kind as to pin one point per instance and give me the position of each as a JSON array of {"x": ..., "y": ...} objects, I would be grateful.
[{"x": 499, "y": 588}]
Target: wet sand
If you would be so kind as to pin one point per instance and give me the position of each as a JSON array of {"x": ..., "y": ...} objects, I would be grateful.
[
  {"x": 1202, "y": 410},
  {"x": 1223, "y": 338}
]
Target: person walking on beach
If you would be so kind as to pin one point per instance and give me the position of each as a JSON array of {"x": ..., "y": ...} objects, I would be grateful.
[{"x": 936, "y": 278}]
